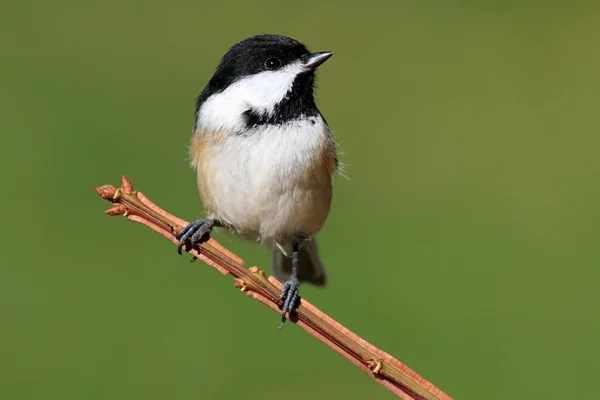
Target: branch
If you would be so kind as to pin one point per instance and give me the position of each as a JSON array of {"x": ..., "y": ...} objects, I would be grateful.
[{"x": 385, "y": 369}]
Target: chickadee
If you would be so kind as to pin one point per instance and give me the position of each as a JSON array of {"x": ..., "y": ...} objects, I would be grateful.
[{"x": 264, "y": 156}]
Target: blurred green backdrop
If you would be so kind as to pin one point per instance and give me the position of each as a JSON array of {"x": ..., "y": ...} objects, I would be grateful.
[{"x": 470, "y": 130}]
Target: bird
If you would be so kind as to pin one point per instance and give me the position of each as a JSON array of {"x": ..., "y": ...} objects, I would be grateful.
[{"x": 264, "y": 156}]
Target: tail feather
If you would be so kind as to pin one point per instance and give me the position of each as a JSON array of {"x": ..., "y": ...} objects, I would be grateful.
[{"x": 310, "y": 268}]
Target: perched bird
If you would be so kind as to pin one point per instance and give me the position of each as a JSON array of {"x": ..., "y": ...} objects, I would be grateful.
[{"x": 264, "y": 156}]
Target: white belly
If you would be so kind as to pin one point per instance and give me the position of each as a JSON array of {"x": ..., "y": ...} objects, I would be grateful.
[{"x": 272, "y": 185}]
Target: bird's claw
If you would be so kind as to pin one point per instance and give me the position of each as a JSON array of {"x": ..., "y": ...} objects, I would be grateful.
[
  {"x": 290, "y": 298},
  {"x": 194, "y": 233}
]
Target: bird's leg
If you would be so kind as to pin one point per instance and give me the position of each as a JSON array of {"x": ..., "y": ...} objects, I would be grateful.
[
  {"x": 289, "y": 291},
  {"x": 196, "y": 232}
]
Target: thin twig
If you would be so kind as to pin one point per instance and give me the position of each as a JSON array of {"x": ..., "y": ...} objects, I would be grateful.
[{"x": 385, "y": 369}]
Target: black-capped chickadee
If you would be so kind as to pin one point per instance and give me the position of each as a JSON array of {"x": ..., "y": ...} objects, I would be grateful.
[{"x": 265, "y": 155}]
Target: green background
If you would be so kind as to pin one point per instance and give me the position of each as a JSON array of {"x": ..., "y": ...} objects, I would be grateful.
[{"x": 465, "y": 242}]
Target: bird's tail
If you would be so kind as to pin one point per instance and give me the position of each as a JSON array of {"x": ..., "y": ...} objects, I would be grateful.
[{"x": 310, "y": 268}]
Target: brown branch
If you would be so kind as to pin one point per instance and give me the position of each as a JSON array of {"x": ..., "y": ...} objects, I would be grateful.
[{"x": 382, "y": 367}]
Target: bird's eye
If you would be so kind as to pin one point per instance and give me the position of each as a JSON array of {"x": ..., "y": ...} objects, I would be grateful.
[{"x": 272, "y": 63}]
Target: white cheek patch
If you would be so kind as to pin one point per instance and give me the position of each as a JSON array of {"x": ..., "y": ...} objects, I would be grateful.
[
  {"x": 260, "y": 92},
  {"x": 266, "y": 89}
]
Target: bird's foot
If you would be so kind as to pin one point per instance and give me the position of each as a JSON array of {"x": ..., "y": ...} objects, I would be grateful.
[
  {"x": 290, "y": 298},
  {"x": 194, "y": 233}
]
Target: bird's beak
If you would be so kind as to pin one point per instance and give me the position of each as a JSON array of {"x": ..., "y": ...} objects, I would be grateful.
[{"x": 315, "y": 59}]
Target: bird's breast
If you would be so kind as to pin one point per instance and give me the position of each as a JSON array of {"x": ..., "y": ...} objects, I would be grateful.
[{"x": 272, "y": 184}]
